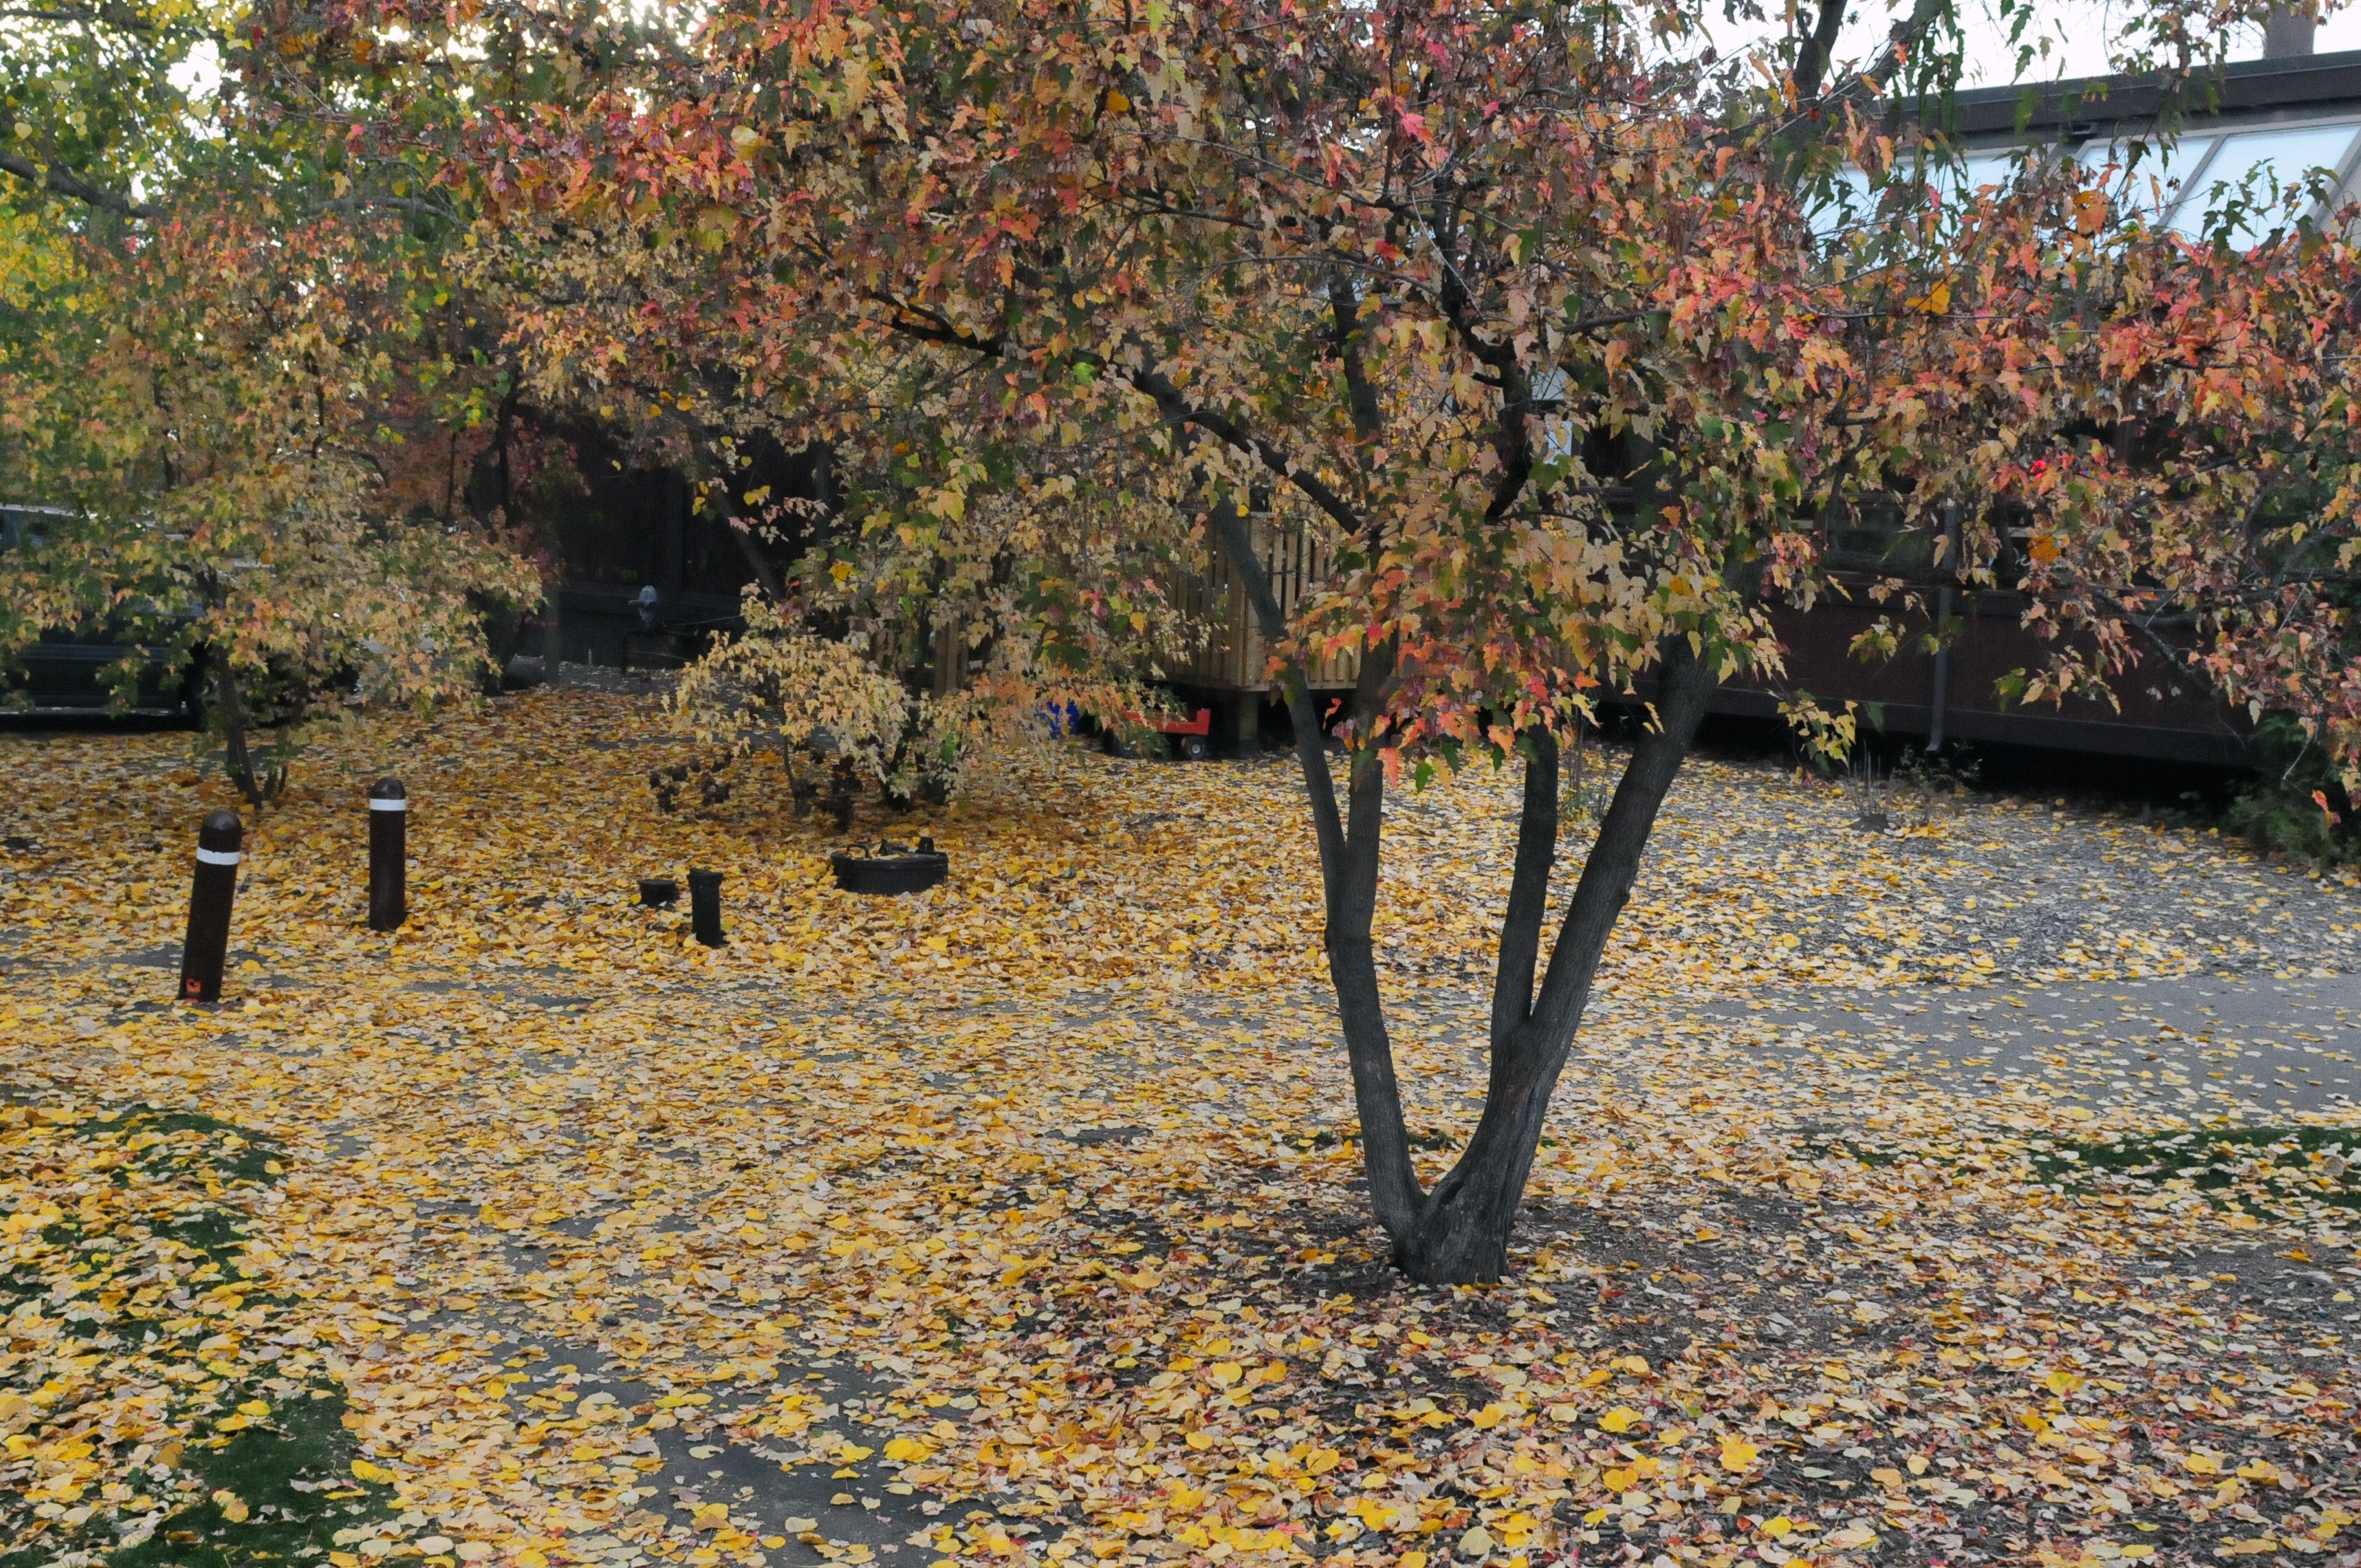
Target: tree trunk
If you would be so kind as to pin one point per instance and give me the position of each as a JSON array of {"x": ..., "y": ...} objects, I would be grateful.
[
  {"x": 237, "y": 756},
  {"x": 1464, "y": 1226},
  {"x": 1458, "y": 1234},
  {"x": 229, "y": 712},
  {"x": 766, "y": 576}
]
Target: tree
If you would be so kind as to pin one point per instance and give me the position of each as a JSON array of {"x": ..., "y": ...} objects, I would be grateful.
[
  {"x": 2158, "y": 434},
  {"x": 234, "y": 357},
  {"x": 1533, "y": 323}
]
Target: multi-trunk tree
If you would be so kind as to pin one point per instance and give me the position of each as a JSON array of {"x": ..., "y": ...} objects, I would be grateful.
[{"x": 1545, "y": 324}]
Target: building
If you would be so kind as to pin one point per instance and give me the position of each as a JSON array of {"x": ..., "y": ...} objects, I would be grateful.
[
  {"x": 647, "y": 574},
  {"x": 2292, "y": 111}
]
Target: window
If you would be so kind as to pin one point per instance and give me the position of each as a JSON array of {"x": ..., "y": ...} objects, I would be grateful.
[
  {"x": 1877, "y": 539},
  {"x": 1978, "y": 171},
  {"x": 2273, "y": 159},
  {"x": 1951, "y": 184},
  {"x": 2149, "y": 175}
]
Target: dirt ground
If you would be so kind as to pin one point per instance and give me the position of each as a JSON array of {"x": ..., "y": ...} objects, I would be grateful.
[{"x": 1974, "y": 1190}]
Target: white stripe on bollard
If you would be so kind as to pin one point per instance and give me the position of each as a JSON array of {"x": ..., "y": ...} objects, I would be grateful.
[
  {"x": 217, "y": 857},
  {"x": 375, "y": 805}
]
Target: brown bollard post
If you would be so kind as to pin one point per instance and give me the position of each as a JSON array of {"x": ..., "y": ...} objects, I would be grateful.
[
  {"x": 211, "y": 891},
  {"x": 705, "y": 907},
  {"x": 389, "y": 855}
]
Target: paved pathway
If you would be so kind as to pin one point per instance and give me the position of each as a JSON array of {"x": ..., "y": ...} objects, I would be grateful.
[{"x": 2253, "y": 1047}]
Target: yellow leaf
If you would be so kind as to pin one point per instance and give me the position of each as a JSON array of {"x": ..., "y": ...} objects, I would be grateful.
[
  {"x": 2202, "y": 1464},
  {"x": 1622, "y": 1417},
  {"x": 1737, "y": 1454},
  {"x": 232, "y": 1506}
]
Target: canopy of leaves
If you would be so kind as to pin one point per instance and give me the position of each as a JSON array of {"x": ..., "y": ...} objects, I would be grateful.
[
  {"x": 235, "y": 364},
  {"x": 1538, "y": 324}
]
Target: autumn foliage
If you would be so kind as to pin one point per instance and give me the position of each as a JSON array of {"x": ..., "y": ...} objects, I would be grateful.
[
  {"x": 1547, "y": 337},
  {"x": 246, "y": 395},
  {"x": 1566, "y": 339}
]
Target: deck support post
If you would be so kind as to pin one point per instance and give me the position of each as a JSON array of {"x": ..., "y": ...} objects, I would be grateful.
[{"x": 1244, "y": 713}]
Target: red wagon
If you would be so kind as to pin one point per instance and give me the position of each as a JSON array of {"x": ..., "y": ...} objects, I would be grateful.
[{"x": 1189, "y": 735}]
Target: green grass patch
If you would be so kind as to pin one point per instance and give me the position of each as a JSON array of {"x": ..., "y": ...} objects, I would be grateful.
[
  {"x": 2278, "y": 1165},
  {"x": 293, "y": 1478},
  {"x": 138, "y": 1279}
]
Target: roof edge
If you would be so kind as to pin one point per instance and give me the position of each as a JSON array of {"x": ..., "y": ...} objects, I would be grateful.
[{"x": 2294, "y": 83}]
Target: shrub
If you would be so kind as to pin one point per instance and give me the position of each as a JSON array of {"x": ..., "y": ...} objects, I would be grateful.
[{"x": 2297, "y": 805}]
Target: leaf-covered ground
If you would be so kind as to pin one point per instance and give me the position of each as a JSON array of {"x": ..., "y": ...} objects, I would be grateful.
[{"x": 1021, "y": 1220}]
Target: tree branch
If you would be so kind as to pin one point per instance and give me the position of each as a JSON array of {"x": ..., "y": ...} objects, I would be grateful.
[
  {"x": 1177, "y": 408},
  {"x": 1819, "y": 49},
  {"x": 1520, "y": 927},
  {"x": 51, "y": 178},
  {"x": 1394, "y": 1191},
  {"x": 1345, "y": 334},
  {"x": 1688, "y": 683}
]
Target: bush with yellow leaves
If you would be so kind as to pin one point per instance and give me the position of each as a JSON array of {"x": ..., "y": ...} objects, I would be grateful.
[{"x": 779, "y": 684}]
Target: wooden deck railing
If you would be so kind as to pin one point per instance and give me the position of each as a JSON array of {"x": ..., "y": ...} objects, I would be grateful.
[{"x": 1235, "y": 657}]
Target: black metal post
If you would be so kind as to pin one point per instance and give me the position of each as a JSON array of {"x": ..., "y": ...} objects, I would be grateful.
[
  {"x": 211, "y": 891},
  {"x": 389, "y": 855},
  {"x": 705, "y": 906}
]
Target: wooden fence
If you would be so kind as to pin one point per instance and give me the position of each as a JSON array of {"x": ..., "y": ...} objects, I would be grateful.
[{"x": 1235, "y": 657}]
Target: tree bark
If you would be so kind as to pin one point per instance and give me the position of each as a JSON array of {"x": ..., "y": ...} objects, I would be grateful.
[
  {"x": 766, "y": 576},
  {"x": 230, "y": 711},
  {"x": 1465, "y": 1224},
  {"x": 1458, "y": 1233}
]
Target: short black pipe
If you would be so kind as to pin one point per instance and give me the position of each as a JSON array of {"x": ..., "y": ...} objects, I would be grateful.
[
  {"x": 389, "y": 893},
  {"x": 705, "y": 906},
  {"x": 212, "y": 890}
]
